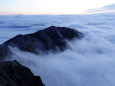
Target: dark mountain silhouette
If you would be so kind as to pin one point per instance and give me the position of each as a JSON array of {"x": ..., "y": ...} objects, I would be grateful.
[
  {"x": 52, "y": 38},
  {"x": 14, "y": 74}
]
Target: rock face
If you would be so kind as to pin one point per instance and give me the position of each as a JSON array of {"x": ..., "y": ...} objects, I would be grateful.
[
  {"x": 14, "y": 74},
  {"x": 50, "y": 39},
  {"x": 4, "y": 52}
]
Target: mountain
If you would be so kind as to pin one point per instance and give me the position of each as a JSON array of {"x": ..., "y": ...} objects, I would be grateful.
[
  {"x": 50, "y": 39},
  {"x": 14, "y": 74}
]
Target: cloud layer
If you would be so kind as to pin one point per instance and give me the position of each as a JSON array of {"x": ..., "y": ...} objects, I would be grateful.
[{"x": 88, "y": 62}]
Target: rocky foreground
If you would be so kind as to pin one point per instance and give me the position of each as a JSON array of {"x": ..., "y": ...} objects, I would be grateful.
[
  {"x": 50, "y": 39},
  {"x": 14, "y": 74}
]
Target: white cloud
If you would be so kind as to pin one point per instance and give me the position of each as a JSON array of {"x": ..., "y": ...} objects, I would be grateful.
[
  {"x": 89, "y": 62},
  {"x": 105, "y": 9}
]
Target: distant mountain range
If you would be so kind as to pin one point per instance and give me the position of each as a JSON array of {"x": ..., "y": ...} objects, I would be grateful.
[{"x": 106, "y": 9}]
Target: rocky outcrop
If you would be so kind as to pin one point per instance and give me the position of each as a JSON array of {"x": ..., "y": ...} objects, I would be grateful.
[
  {"x": 14, "y": 74},
  {"x": 50, "y": 39},
  {"x": 4, "y": 53}
]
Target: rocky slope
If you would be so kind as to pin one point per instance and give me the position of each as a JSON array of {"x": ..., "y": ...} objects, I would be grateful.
[
  {"x": 14, "y": 74},
  {"x": 50, "y": 39}
]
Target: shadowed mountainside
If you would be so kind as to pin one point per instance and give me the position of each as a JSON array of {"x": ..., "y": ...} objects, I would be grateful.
[
  {"x": 14, "y": 74},
  {"x": 50, "y": 39}
]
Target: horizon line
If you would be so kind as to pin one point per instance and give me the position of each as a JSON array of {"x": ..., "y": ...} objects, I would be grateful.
[{"x": 85, "y": 13}]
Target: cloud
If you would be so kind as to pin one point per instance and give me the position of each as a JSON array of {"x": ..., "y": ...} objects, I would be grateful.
[
  {"x": 88, "y": 62},
  {"x": 105, "y": 9}
]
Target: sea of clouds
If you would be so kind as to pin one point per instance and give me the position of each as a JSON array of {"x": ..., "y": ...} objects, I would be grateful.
[{"x": 88, "y": 62}]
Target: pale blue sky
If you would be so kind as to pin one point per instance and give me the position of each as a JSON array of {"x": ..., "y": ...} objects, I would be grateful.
[{"x": 30, "y": 7}]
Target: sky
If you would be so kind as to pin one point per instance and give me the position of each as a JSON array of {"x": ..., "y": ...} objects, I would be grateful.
[{"x": 33, "y": 7}]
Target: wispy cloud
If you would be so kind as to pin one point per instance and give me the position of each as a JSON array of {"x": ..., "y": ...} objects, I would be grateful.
[{"x": 106, "y": 9}]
